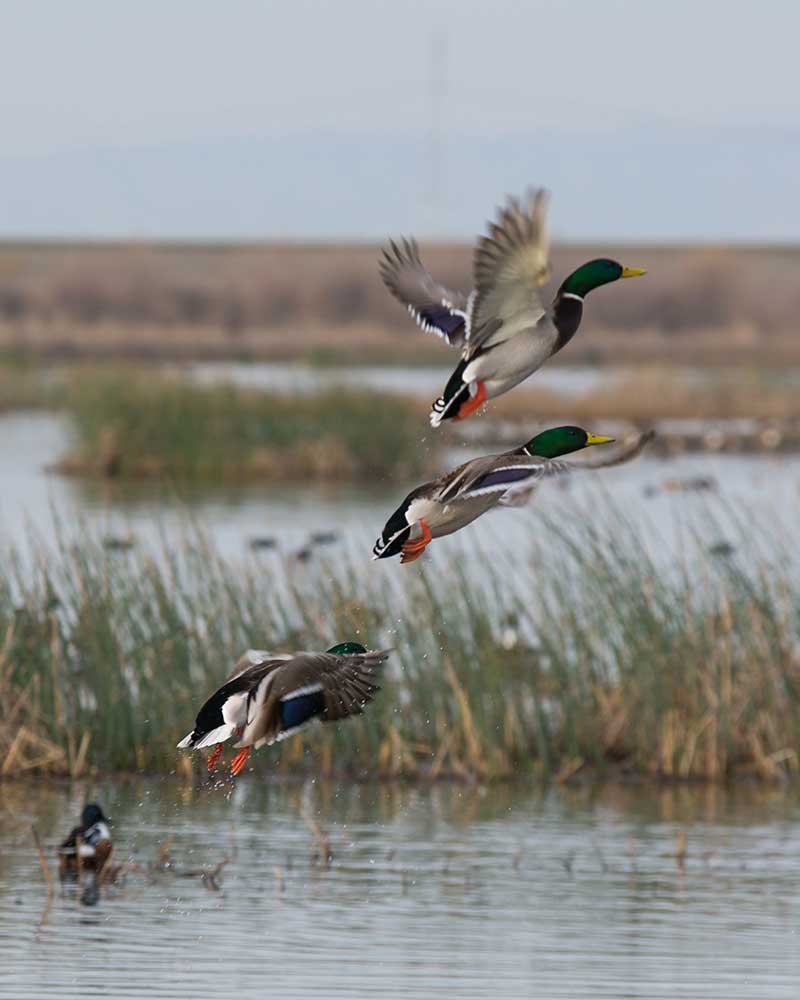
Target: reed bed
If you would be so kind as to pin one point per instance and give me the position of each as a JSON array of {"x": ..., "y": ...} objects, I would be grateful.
[
  {"x": 26, "y": 386},
  {"x": 595, "y": 660},
  {"x": 149, "y": 426}
]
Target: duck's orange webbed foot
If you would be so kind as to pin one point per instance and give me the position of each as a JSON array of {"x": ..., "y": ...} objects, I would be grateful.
[
  {"x": 214, "y": 756},
  {"x": 240, "y": 760},
  {"x": 413, "y": 550},
  {"x": 473, "y": 403}
]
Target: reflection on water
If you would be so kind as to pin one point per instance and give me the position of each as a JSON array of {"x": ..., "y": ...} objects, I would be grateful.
[{"x": 432, "y": 892}]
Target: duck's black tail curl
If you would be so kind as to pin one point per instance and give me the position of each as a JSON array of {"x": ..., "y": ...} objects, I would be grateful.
[{"x": 455, "y": 393}]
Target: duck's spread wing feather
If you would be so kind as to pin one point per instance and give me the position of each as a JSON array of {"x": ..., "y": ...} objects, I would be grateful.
[
  {"x": 252, "y": 659},
  {"x": 503, "y": 475},
  {"x": 453, "y": 485},
  {"x": 622, "y": 455},
  {"x": 342, "y": 684},
  {"x": 433, "y": 307},
  {"x": 510, "y": 264},
  {"x": 520, "y": 492}
]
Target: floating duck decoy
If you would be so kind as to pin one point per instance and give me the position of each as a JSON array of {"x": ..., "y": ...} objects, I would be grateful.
[
  {"x": 459, "y": 497},
  {"x": 324, "y": 537},
  {"x": 693, "y": 484},
  {"x": 503, "y": 329},
  {"x": 270, "y": 697},
  {"x": 259, "y": 542},
  {"x": 118, "y": 543},
  {"x": 722, "y": 549},
  {"x": 89, "y": 842}
]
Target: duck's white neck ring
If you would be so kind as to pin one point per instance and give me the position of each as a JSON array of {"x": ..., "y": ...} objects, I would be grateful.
[{"x": 571, "y": 295}]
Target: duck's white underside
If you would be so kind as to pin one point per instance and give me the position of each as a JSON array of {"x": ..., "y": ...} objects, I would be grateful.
[
  {"x": 444, "y": 519},
  {"x": 514, "y": 359}
]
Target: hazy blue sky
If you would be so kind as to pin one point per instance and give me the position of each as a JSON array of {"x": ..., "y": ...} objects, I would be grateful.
[{"x": 358, "y": 118}]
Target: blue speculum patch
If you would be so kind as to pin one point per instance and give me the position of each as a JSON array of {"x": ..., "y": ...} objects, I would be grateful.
[
  {"x": 298, "y": 710},
  {"x": 504, "y": 476},
  {"x": 441, "y": 318}
]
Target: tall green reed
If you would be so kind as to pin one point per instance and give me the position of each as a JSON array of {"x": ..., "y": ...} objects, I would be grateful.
[
  {"x": 586, "y": 654},
  {"x": 146, "y": 425}
]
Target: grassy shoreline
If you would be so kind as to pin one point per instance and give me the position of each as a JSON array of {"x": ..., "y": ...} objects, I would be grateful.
[
  {"x": 139, "y": 427},
  {"x": 618, "y": 667}
]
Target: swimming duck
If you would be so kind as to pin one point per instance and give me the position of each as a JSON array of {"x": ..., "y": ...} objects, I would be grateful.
[
  {"x": 95, "y": 843},
  {"x": 503, "y": 329},
  {"x": 271, "y": 696},
  {"x": 459, "y": 497}
]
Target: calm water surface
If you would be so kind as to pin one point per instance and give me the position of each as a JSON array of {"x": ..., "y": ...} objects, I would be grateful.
[{"x": 443, "y": 892}]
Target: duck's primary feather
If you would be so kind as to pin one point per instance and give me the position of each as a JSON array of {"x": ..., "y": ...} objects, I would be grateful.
[
  {"x": 433, "y": 307},
  {"x": 509, "y": 266}
]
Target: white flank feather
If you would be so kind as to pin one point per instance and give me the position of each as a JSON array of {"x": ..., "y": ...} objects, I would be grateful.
[
  {"x": 308, "y": 689},
  {"x": 234, "y": 709},
  {"x": 290, "y": 732},
  {"x": 468, "y": 314},
  {"x": 218, "y": 735},
  {"x": 256, "y": 656}
]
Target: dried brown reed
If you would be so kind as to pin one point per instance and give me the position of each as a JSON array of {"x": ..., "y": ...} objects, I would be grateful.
[
  {"x": 624, "y": 665},
  {"x": 190, "y": 301}
]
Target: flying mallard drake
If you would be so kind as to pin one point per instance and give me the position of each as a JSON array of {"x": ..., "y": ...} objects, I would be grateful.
[
  {"x": 459, "y": 497},
  {"x": 503, "y": 329},
  {"x": 270, "y": 696}
]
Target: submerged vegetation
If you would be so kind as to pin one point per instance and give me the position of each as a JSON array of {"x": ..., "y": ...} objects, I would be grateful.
[
  {"x": 150, "y": 426},
  {"x": 598, "y": 661}
]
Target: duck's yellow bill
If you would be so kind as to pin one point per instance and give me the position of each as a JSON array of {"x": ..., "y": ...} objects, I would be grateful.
[
  {"x": 597, "y": 439},
  {"x": 632, "y": 272}
]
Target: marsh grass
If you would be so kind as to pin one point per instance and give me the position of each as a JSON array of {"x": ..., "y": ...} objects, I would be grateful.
[
  {"x": 25, "y": 386},
  {"x": 617, "y": 664},
  {"x": 657, "y": 392},
  {"x": 149, "y": 426},
  {"x": 182, "y": 301}
]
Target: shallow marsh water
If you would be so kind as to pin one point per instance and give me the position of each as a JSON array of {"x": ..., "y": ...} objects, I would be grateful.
[{"x": 445, "y": 891}]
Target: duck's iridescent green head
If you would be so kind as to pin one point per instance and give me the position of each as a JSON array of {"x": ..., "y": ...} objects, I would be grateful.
[
  {"x": 348, "y": 649},
  {"x": 594, "y": 274},
  {"x": 560, "y": 441}
]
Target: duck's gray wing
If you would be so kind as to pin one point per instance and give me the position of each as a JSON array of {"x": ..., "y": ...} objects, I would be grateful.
[
  {"x": 255, "y": 658},
  {"x": 620, "y": 456},
  {"x": 515, "y": 471},
  {"x": 497, "y": 474},
  {"x": 345, "y": 683},
  {"x": 510, "y": 265},
  {"x": 518, "y": 495},
  {"x": 433, "y": 307}
]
